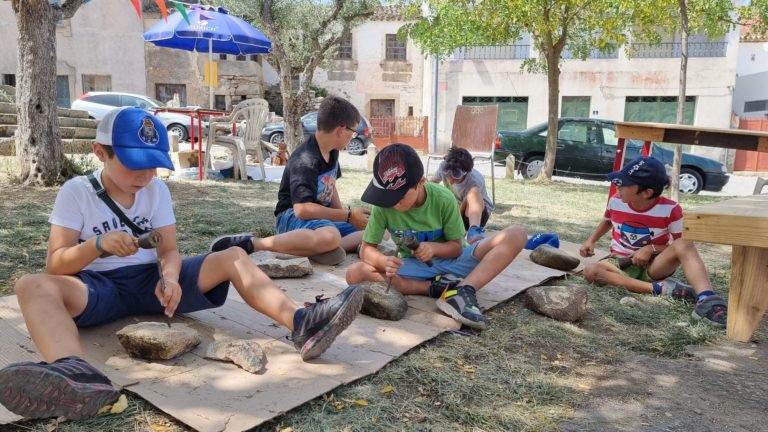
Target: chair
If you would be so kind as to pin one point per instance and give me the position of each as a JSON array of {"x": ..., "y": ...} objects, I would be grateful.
[
  {"x": 759, "y": 185},
  {"x": 474, "y": 129},
  {"x": 249, "y": 116}
]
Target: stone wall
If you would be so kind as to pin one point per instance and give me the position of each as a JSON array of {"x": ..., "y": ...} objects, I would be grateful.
[{"x": 77, "y": 130}]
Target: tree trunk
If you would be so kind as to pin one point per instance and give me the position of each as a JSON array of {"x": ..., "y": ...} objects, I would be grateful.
[
  {"x": 38, "y": 145},
  {"x": 677, "y": 159},
  {"x": 553, "y": 81}
]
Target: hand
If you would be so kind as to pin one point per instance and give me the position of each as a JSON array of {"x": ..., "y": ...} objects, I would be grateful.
[
  {"x": 169, "y": 298},
  {"x": 359, "y": 217},
  {"x": 392, "y": 266},
  {"x": 424, "y": 252},
  {"x": 642, "y": 256},
  {"x": 118, "y": 243},
  {"x": 587, "y": 250}
]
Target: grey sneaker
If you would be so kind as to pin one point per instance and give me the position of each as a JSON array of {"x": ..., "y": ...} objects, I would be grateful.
[
  {"x": 460, "y": 303},
  {"x": 712, "y": 310},
  {"x": 678, "y": 290}
]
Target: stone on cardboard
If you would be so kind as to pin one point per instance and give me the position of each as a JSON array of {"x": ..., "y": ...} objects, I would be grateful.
[
  {"x": 562, "y": 303},
  {"x": 555, "y": 258},
  {"x": 245, "y": 353},
  {"x": 277, "y": 265},
  {"x": 631, "y": 302},
  {"x": 381, "y": 304},
  {"x": 155, "y": 341}
]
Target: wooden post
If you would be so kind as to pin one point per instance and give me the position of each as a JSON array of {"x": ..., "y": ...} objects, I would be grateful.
[{"x": 748, "y": 297}]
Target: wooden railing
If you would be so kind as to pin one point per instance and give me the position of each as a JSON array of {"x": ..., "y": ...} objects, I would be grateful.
[{"x": 410, "y": 130}]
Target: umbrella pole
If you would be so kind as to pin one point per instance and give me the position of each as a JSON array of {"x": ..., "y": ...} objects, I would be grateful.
[{"x": 210, "y": 73}]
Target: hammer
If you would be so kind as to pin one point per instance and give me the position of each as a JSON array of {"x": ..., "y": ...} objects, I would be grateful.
[
  {"x": 150, "y": 240},
  {"x": 412, "y": 243}
]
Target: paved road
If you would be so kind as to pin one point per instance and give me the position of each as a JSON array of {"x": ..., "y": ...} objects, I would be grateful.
[{"x": 739, "y": 185}]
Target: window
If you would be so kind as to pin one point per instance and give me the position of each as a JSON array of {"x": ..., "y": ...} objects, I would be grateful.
[
  {"x": 395, "y": 50},
  {"x": 573, "y": 131},
  {"x": 513, "y": 110},
  {"x": 220, "y": 102},
  {"x": 133, "y": 101},
  {"x": 254, "y": 57},
  {"x": 9, "y": 80},
  {"x": 105, "y": 99},
  {"x": 575, "y": 106},
  {"x": 97, "y": 83},
  {"x": 657, "y": 109},
  {"x": 166, "y": 92},
  {"x": 241, "y": 58},
  {"x": 62, "y": 91},
  {"x": 758, "y": 105},
  {"x": 222, "y": 56},
  {"x": 345, "y": 48}
]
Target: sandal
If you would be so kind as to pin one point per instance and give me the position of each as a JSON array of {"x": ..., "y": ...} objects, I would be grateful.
[
  {"x": 678, "y": 290},
  {"x": 712, "y": 310}
]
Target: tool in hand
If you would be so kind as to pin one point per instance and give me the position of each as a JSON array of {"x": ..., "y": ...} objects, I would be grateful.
[
  {"x": 397, "y": 238},
  {"x": 151, "y": 240},
  {"x": 411, "y": 243}
]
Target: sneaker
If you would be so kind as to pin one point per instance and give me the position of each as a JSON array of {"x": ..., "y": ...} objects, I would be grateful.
[
  {"x": 324, "y": 320},
  {"x": 68, "y": 387},
  {"x": 440, "y": 283},
  {"x": 460, "y": 304},
  {"x": 678, "y": 290},
  {"x": 712, "y": 310},
  {"x": 243, "y": 241},
  {"x": 475, "y": 233},
  {"x": 333, "y": 257}
]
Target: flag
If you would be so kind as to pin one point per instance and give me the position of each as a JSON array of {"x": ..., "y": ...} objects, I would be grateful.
[
  {"x": 137, "y": 6},
  {"x": 163, "y": 10},
  {"x": 182, "y": 11}
]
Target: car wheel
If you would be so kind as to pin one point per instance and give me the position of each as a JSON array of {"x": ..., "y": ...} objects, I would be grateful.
[
  {"x": 690, "y": 181},
  {"x": 276, "y": 138},
  {"x": 356, "y": 147},
  {"x": 179, "y": 130},
  {"x": 532, "y": 166}
]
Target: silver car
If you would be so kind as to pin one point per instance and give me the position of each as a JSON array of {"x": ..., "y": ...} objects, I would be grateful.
[{"x": 99, "y": 103}]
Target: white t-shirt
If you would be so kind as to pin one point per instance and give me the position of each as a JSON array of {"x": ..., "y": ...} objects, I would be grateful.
[{"x": 78, "y": 207}]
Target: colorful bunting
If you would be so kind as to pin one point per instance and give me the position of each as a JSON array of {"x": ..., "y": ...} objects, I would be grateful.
[
  {"x": 163, "y": 10},
  {"x": 137, "y": 6},
  {"x": 182, "y": 11}
]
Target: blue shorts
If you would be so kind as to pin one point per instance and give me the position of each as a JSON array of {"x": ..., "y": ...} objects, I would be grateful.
[
  {"x": 460, "y": 266},
  {"x": 287, "y": 221},
  {"x": 130, "y": 290}
]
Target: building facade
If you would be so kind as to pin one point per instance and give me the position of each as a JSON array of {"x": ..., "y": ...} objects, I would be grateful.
[{"x": 750, "y": 98}]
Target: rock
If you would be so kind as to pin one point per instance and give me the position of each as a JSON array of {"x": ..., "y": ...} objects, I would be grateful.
[
  {"x": 155, "y": 341},
  {"x": 559, "y": 302},
  {"x": 631, "y": 302},
  {"x": 381, "y": 304},
  {"x": 555, "y": 258},
  {"x": 277, "y": 265},
  {"x": 387, "y": 247},
  {"x": 245, "y": 353},
  {"x": 510, "y": 166}
]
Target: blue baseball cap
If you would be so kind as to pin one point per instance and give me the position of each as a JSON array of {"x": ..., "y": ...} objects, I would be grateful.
[
  {"x": 139, "y": 139},
  {"x": 644, "y": 171}
]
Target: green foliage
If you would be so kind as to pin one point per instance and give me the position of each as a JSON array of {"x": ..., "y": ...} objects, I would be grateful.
[{"x": 320, "y": 91}]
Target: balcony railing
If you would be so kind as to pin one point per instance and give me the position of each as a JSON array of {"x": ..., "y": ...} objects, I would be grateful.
[
  {"x": 493, "y": 52},
  {"x": 596, "y": 54},
  {"x": 672, "y": 49}
]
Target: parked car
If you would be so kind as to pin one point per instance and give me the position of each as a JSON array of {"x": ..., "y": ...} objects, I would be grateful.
[
  {"x": 275, "y": 135},
  {"x": 587, "y": 148},
  {"x": 99, "y": 103}
]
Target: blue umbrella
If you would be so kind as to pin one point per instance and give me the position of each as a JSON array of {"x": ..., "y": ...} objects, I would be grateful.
[{"x": 209, "y": 29}]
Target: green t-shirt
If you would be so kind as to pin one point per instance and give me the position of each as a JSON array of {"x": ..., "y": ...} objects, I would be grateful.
[{"x": 437, "y": 220}]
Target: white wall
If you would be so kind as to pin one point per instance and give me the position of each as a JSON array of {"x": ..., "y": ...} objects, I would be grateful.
[{"x": 753, "y": 58}]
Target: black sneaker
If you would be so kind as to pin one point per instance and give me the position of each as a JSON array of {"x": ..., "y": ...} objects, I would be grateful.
[
  {"x": 460, "y": 303},
  {"x": 324, "y": 320},
  {"x": 243, "y": 241},
  {"x": 68, "y": 387},
  {"x": 440, "y": 283}
]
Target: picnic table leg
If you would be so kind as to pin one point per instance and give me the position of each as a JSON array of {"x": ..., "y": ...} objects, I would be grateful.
[{"x": 748, "y": 297}]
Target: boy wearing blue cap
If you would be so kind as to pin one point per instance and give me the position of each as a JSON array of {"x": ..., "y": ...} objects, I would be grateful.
[
  {"x": 405, "y": 204},
  {"x": 647, "y": 234},
  {"x": 96, "y": 273}
]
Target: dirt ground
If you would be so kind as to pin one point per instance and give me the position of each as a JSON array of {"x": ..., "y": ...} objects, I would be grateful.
[{"x": 723, "y": 387}]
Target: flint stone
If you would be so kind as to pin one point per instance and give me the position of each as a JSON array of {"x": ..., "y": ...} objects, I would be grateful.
[
  {"x": 155, "y": 341},
  {"x": 245, "y": 353},
  {"x": 558, "y": 302},
  {"x": 387, "y": 247},
  {"x": 381, "y": 304},
  {"x": 277, "y": 265},
  {"x": 553, "y": 257}
]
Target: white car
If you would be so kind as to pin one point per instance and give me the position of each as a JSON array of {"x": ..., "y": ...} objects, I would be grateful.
[{"x": 99, "y": 103}]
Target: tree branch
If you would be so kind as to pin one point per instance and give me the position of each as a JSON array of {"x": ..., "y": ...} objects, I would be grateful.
[{"x": 67, "y": 8}]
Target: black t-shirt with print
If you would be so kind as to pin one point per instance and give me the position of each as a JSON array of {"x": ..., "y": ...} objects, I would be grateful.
[{"x": 308, "y": 177}]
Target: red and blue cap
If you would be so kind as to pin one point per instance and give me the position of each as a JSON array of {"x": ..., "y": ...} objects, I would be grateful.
[
  {"x": 396, "y": 169},
  {"x": 644, "y": 171},
  {"x": 139, "y": 139}
]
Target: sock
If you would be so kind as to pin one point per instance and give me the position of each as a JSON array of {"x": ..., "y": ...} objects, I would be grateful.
[
  {"x": 298, "y": 316},
  {"x": 657, "y": 287},
  {"x": 704, "y": 294}
]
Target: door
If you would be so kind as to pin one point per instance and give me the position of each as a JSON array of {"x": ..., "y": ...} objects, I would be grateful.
[
  {"x": 62, "y": 91},
  {"x": 382, "y": 116},
  {"x": 578, "y": 147}
]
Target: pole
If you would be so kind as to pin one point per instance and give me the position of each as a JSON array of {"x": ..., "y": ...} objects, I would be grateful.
[
  {"x": 434, "y": 107},
  {"x": 210, "y": 73}
]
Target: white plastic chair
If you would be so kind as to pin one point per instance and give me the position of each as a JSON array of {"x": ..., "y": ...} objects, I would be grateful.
[{"x": 249, "y": 116}]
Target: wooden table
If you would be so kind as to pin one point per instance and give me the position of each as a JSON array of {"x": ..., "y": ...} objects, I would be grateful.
[{"x": 743, "y": 224}]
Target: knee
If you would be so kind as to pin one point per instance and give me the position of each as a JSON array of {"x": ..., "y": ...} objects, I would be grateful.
[
  {"x": 591, "y": 271},
  {"x": 33, "y": 287},
  {"x": 354, "y": 274},
  {"x": 229, "y": 256},
  {"x": 515, "y": 235},
  {"x": 327, "y": 238},
  {"x": 681, "y": 246}
]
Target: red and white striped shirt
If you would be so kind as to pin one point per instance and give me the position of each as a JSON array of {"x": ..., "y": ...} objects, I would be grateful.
[{"x": 633, "y": 229}]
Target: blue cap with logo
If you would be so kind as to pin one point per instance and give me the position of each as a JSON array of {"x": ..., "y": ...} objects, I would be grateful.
[
  {"x": 644, "y": 171},
  {"x": 139, "y": 139}
]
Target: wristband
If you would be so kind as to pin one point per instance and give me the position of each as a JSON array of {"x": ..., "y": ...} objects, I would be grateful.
[{"x": 98, "y": 243}]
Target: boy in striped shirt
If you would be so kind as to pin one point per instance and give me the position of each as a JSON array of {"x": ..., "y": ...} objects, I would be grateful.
[{"x": 647, "y": 232}]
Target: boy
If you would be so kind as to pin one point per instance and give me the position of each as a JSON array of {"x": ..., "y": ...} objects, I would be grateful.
[
  {"x": 405, "y": 203},
  {"x": 647, "y": 228},
  {"x": 458, "y": 174},
  {"x": 97, "y": 274},
  {"x": 311, "y": 220}
]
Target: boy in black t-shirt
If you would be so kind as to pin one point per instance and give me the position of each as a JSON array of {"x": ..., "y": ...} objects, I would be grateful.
[{"x": 311, "y": 220}]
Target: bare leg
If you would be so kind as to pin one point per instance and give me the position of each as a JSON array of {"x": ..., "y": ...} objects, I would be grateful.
[
  {"x": 495, "y": 253},
  {"x": 474, "y": 206},
  {"x": 362, "y": 272},
  {"x": 350, "y": 242},
  {"x": 48, "y": 304},
  {"x": 682, "y": 252},
  {"x": 302, "y": 242},
  {"x": 605, "y": 273},
  {"x": 255, "y": 287}
]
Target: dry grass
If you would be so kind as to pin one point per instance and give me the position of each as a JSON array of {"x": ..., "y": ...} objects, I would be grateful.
[{"x": 525, "y": 373}]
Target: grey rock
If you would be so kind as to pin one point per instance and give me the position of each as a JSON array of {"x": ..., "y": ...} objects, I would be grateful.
[
  {"x": 555, "y": 258},
  {"x": 558, "y": 302},
  {"x": 155, "y": 341},
  {"x": 387, "y": 247},
  {"x": 277, "y": 265},
  {"x": 631, "y": 302},
  {"x": 245, "y": 353},
  {"x": 381, "y": 304}
]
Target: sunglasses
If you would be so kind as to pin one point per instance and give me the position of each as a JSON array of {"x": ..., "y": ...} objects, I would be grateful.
[
  {"x": 354, "y": 132},
  {"x": 456, "y": 173}
]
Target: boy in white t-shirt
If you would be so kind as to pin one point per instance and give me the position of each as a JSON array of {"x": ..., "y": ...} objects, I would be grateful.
[{"x": 96, "y": 273}]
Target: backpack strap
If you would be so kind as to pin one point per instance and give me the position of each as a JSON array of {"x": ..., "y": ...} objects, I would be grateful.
[{"x": 104, "y": 196}]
